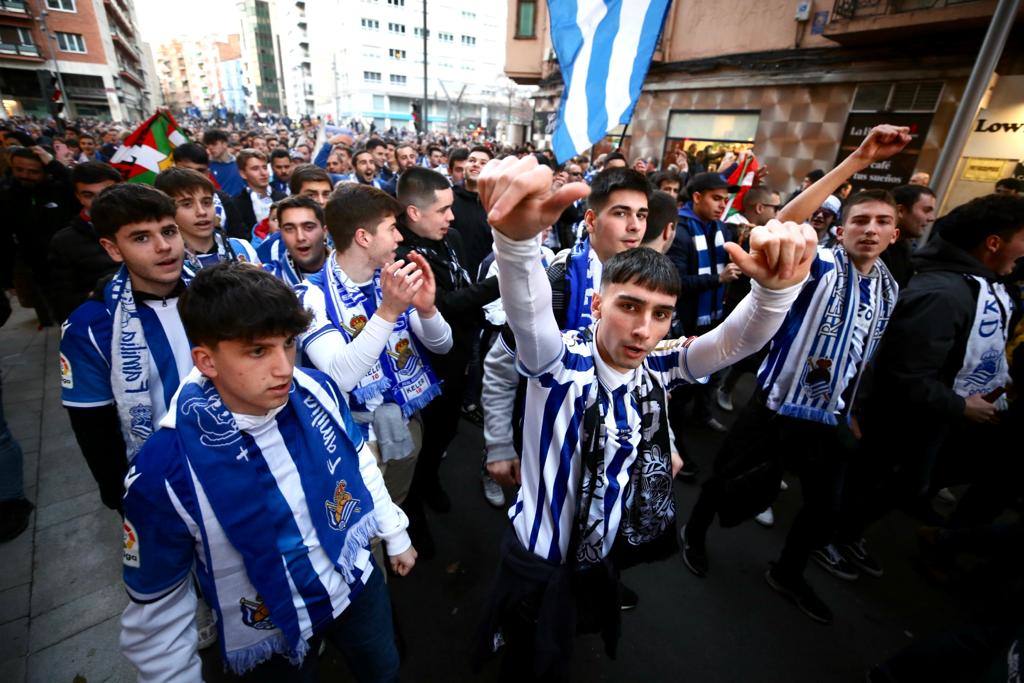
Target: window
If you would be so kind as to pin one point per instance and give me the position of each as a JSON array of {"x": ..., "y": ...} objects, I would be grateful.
[
  {"x": 396, "y": 28},
  {"x": 418, "y": 32},
  {"x": 396, "y": 53},
  {"x": 397, "y": 3},
  {"x": 25, "y": 36},
  {"x": 378, "y": 102},
  {"x": 468, "y": 15},
  {"x": 70, "y": 42},
  {"x": 526, "y": 17},
  {"x": 397, "y": 79},
  {"x": 910, "y": 96},
  {"x": 468, "y": 40},
  {"x": 719, "y": 130},
  {"x": 61, "y": 5},
  {"x": 371, "y": 24},
  {"x": 445, "y": 37},
  {"x": 371, "y": 76}
]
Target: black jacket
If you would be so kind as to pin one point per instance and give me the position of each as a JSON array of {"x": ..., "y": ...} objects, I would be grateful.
[
  {"x": 233, "y": 226},
  {"x": 471, "y": 224},
  {"x": 246, "y": 215},
  {"x": 923, "y": 347},
  {"x": 459, "y": 300},
  {"x": 31, "y": 217},
  {"x": 77, "y": 262},
  {"x": 899, "y": 259}
]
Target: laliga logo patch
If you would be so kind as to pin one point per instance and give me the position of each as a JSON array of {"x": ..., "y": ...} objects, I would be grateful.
[
  {"x": 67, "y": 381},
  {"x": 340, "y": 510},
  {"x": 130, "y": 545},
  {"x": 255, "y": 614}
]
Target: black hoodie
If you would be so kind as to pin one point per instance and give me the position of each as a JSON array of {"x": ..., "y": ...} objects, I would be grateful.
[
  {"x": 471, "y": 224},
  {"x": 923, "y": 348}
]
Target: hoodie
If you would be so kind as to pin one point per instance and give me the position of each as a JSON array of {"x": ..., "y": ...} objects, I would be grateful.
[{"x": 471, "y": 224}]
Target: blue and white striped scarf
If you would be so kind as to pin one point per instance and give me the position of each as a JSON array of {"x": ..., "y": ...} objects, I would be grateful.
[
  {"x": 580, "y": 273},
  {"x": 254, "y": 513},
  {"x": 711, "y": 302},
  {"x": 401, "y": 374},
  {"x": 803, "y": 374}
]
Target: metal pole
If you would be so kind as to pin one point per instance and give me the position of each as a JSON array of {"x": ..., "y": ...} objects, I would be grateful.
[
  {"x": 50, "y": 39},
  {"x": 981, "y": 76},
  {"x": 426, "y": 116}
]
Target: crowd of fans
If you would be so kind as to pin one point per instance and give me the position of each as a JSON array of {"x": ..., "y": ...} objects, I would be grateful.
[{"x": 406, "y": 281}]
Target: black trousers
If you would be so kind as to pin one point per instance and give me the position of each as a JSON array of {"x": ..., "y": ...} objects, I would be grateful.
[
  {"x": 815, "y": 452},
  {"x": 440, "y": 424}
]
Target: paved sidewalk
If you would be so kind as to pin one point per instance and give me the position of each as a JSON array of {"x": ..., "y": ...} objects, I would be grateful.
[{"x": 60, "y": 581}]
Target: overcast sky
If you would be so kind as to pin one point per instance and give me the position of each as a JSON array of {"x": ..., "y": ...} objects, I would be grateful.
[{"x": 161, "y": 20}]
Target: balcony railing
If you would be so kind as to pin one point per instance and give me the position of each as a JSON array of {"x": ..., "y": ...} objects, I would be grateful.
[
  {"x": 19, "y": 49},
  {"x": 850, "y": 9},
  {"x": 13, "y": 6}
]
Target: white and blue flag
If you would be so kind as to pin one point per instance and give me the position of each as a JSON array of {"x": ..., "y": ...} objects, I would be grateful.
[{"x": 604, "y": 48}]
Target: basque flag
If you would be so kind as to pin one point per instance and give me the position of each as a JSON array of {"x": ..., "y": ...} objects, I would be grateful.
[{"x": 604, "y": 48}]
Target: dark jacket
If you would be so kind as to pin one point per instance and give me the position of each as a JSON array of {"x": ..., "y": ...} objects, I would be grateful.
[
  {"x": 471, "y": 224},
  {"x": 77, "y": 262},
  {"x": 233, "y": 224},
  {"x": 31, "y": 217},
  {"x": 898, "y": 258},
  {"x": 924, "y": 345},
  {"x": 459, "y": 300},
  {"x": 246, "y": 214},
  {"x": 683, "y": 253}
]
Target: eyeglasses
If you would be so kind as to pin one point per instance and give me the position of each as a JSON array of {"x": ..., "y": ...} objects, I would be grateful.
[{"x": 774, "y": 207}]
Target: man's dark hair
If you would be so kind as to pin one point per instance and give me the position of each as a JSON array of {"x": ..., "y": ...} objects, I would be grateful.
[
  {"x": 1011, "y": 184},
  {"x": 279, "y": 153},
  {"x": 612, "y": 180},
  {"x": 757, "y": 195},
  {"x": 127, "y": 203},
  {"x": 214, "y": 135},
  {"x": 374, "y": 144},
  {"x": 191, "y": 151},
  {"x": 481, "y": 148},
  {"x": 865, "y": 196},
  {"x": 815, "y": 175},
  {"x": 417, "y": 186},
  {"x": 235, "y": 301},
  {"x": 434, "y": 148},
  {"x": 249, "y": 153},
  {"x": 613, "y": 156},
  {"x": 458, "y": 154},
  {"x": 87, "y": 135},
  {"x": 968, "y": 225},
  {"x": 661, "y": 210},
  {"x": 23, "y": 153},
  {"x": 642, "y": 266},
  {"x": 907, "y": 195},
  {"x": 544, "y": 160},
  {"x": 25, "y": 140},
  {"x": 177, "y": 181},
  {"x": 406, "y": 145},
  {"x": 353, "y": 206},
  {"x": 91, "y": 172},
  {"x": 666, "y": 176},
  {"x": 298, "y": 201},
  {"x": 355, "y": 156},
  {"x": 307, "y": 173}
]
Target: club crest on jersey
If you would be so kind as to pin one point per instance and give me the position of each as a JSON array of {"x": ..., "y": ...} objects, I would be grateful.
[
  {"x": 340, "y": 509},
  {"x": 67, "y": 381},
  {"x": 355, "y": 325},
  {"x": 985, "y": 371},
  {"x": 402, "y": 353},
  {"x": 818, "y": 377},
  {"x": 255, "y": 614},
  {"x": 214, "y": 419},
  {"x": 141, "y": 421},
  {"x": 130, "y": 545}
]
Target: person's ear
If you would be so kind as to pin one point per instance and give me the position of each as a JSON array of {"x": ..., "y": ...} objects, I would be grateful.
[
  {"x": 413, "y": 213},
  {"x": 895, "y": 236},
  {"x": 588, "y": 220},
  {"x": 202, "y": 358},
  {"x": 361, "y": 238},
  {"x": 111, "y": 248},
  {"x": 839, "y": 231},
  {"x": 993, "y": 243},
  {"x": 595, "y": 306}
]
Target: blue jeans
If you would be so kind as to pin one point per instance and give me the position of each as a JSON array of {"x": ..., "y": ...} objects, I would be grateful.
[
  {"x": 363, "y": 633},
  {"x": 11, "y": 472}
]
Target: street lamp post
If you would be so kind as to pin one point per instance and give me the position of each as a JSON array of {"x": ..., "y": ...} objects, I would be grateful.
[{"x": 425, "y": 116}]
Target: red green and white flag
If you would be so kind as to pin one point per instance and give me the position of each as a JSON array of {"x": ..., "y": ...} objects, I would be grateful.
[
  {"x": 147, "y": 151},
  {"x": 743, "y": 176}
]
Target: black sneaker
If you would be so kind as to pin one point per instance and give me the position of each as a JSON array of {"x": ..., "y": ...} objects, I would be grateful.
[
  {"x": 694, "y": 557},
  {"x": 14, "y": 515},
  {"x": 473, "y": 413},
  {"x": 829, "y": 558},
  {"x": 628, "y": 599},
  {"x": 857, "y": 554},
  {"x": 689, "y": 470},
  {"x": 436, "y": 499},
  {"x": 799, "y": 592}
]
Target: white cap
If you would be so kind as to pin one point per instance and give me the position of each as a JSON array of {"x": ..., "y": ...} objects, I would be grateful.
[{"x": 832, "y": 204}]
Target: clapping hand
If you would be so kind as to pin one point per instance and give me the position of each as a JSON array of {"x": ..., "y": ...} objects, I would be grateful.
[
  {"x": 399, "y": 284},
  {"x": 423, "y": 299},
  {"x": 780, "y": 255}
]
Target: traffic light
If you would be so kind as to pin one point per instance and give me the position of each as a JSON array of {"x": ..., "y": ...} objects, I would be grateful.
[{"x": 417, "y": 119}]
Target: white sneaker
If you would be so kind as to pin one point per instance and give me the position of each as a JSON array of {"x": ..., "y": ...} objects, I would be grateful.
[
  {"x": 945, "y": 496},
  {"x": 205, "y": 625},
  {"x": 724, "y": 400},
  {"x": 766, "y": 518},
  {"x": 783, "y": 486},
  {"x": 493, "y": 492}
]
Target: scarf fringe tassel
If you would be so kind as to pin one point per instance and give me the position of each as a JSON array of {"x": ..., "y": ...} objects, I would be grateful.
[
  {"x": 372, "y": 390},
  {"x": 241, "y": 661},
  {"x": 808, "y": 413},
  {"x": 421, "y": 401}
]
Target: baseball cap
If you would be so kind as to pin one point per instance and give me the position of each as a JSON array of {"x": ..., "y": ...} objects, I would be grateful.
[
  {"x": 832, "y": 204},
  {"x": 704, "y": 182}
]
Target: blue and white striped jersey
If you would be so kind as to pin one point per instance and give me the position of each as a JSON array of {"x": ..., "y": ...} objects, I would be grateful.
[{"x": 556, "y": 400}]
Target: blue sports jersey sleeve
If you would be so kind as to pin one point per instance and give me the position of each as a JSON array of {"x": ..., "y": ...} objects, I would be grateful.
[
  {"x": 85, "y": 357},
  {"x": 158, "y": 548}
]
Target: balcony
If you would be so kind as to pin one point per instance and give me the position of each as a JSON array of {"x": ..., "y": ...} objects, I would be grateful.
[
  {"x": 14, "y": 9},
  {"x": 114, "y": 10},
  {"x": 77, "y": 92},
  {"x": 121, "y": 42},
  {"x": 856, "y": 22},
  {"x": 30, "y": 52},
  {"x": 131, "y": 75}
]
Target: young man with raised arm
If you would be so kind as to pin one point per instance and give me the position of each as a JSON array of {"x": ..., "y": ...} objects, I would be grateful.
[
  {"x": 595, "y": 409},
  {"x": 260, "y": 483}
]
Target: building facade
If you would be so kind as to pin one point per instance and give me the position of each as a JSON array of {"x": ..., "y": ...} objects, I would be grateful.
[
  {"x": 801, "y": 89},
  {"x": 259, "y": 55},
  {"x": 90, "y": 47}
]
